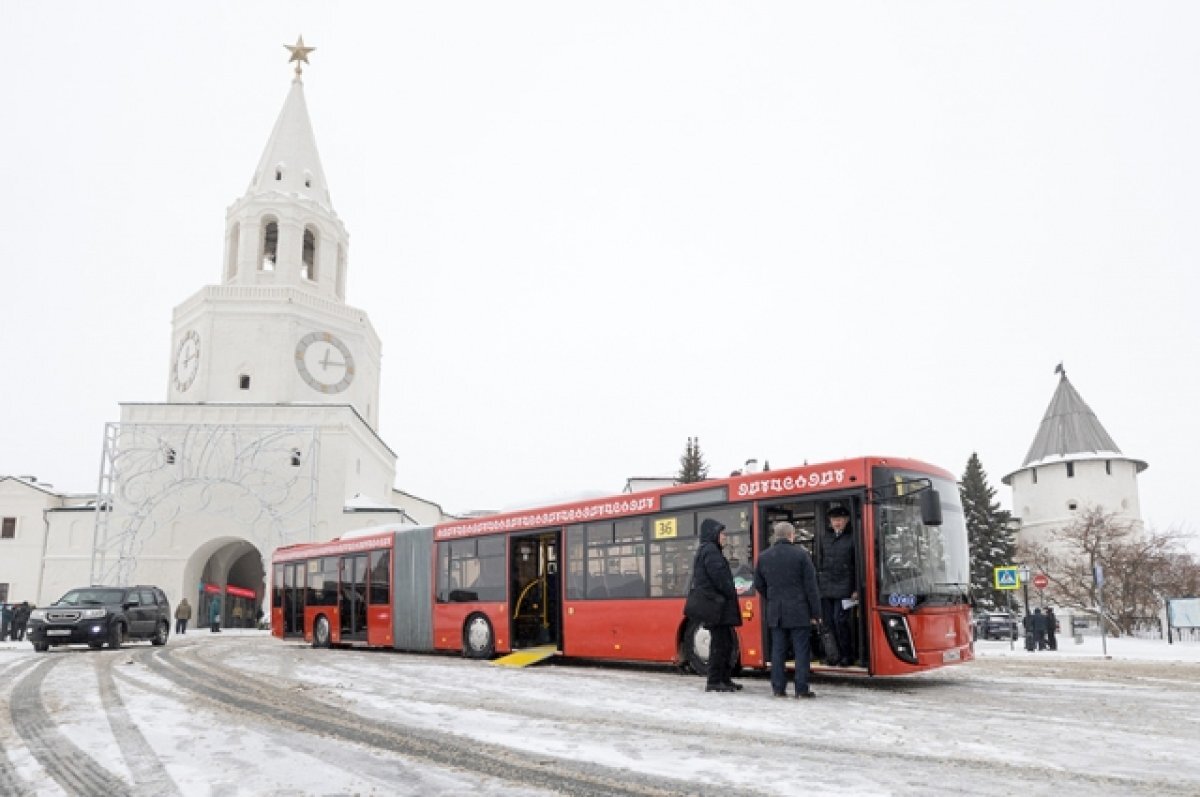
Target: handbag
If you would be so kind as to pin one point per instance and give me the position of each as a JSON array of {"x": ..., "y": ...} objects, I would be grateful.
[
  {"x": 829, "y": 645},
  {"x": 703, "y": 606}
]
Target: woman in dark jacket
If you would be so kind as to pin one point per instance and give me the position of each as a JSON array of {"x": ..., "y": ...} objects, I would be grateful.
[{"x": 711, "y": 573}]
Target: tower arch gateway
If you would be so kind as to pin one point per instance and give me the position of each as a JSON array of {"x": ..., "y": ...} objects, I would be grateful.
[{"x": 230, "y": 572}]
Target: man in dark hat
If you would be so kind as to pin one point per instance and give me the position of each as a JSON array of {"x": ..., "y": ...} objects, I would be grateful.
[{"x": 838, "y": 580}]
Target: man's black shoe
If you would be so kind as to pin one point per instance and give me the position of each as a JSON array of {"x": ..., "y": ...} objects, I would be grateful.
[
  {"x": 779, "y": 694},
  {"x": 809, "y": 693},
  {"x": 736, "y": 687},
  {"x": 719, "y": 688}
]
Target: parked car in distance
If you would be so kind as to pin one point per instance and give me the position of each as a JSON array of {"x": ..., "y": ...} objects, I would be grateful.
[
  {"x": 997, "y": 625},
  {"x": 100, "y": 615}
]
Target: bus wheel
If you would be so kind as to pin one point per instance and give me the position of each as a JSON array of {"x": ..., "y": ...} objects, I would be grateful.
[
  {"x": 321, "y": 634},
  {"x": 696, "y": 640},
  {"x": 696, "y": 644},
  {"x": 478, "y": 640}
]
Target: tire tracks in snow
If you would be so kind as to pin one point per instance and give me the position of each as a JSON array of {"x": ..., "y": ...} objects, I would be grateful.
[
  {"x": 68, "y": 765},
  {"x": 10, "y": 781},
  {"x": 149, "y": 775},
  {"x": 275, "y": 702},
  {"x": 917, "y": 768}
]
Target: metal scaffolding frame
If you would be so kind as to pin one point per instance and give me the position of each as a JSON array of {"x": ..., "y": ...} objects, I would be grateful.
[{"x": 260, "y": 480}]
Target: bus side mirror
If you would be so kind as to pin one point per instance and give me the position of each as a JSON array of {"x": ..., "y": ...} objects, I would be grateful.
[{"x": 931, "y": 507}]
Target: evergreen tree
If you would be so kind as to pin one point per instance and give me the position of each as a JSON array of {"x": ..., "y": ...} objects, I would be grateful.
[
  {"x": 692, "y": 467},
  {"x": 988, "y": 534}
]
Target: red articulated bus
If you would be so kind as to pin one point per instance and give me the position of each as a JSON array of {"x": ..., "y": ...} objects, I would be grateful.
[{"x": 606, "y": 578}]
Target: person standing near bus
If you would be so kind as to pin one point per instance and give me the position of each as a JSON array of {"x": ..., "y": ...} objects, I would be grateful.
[
  {"x": 711, "y": 573},
  {"x": 837, "y": 576},
  {"x": 787, "y": 581},
  {"x": 183, "y": 613}
]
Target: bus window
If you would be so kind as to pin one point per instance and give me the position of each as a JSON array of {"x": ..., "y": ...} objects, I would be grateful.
[
  {"x": 672, "y": 547},
  {"x": 599, "y": 539},
  {"x": 380, "y": 592},
  {"x": 629, "y": 554},
  {"x": 575, "y": 563},
  {"x": 322, "y": 582},
  {"x": 277, "y": 588},
  {"x": 471, "y": 570},
  {"x": 801, "y": 514}
]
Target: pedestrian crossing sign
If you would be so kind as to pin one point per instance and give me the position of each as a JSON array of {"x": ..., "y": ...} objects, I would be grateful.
[{"x": 1007, "y": 578}]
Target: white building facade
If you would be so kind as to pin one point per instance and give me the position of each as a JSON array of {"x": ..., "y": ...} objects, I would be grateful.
[{"x": 269, "y": 434}]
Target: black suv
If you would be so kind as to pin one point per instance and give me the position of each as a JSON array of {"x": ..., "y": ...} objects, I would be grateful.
[{"x": 96, "y": 615}]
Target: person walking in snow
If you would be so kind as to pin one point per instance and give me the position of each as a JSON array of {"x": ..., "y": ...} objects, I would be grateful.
[
  {"x": 20, "y": 619},
  {"x": 183, "y": 613},
  {"x": 214, "y": 616}
]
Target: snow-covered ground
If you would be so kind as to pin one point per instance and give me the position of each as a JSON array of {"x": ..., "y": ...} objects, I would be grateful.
[{"x": 243, "y": 714}]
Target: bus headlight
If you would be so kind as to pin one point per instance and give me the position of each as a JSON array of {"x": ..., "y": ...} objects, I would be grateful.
[{"x": 895, "y": 628}]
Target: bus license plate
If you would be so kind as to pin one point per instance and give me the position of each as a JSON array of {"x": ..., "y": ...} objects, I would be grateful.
[
  {"x": 951, "y": 655},
  {"x": 58, "y": 632}
]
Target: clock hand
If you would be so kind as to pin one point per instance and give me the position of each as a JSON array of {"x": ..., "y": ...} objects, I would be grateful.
[{"x": 326, "y": 362}]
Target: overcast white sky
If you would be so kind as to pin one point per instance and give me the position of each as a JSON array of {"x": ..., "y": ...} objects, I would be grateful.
[{"x": 586, "y": 232}]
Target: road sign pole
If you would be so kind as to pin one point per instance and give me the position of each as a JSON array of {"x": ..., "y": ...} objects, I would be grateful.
[{"x": 1098, "y": 573}]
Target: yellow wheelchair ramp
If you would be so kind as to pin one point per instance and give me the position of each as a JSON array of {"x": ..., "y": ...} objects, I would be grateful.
[{"x": 523, "y": 658}]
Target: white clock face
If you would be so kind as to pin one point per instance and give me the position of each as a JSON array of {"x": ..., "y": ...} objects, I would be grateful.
[
  {"x": 324, "y": 362},
  {"x": 187, "y": 361}
]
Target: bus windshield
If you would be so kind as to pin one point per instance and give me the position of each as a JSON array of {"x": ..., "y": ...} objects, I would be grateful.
[{"x": 919, "y": 563}]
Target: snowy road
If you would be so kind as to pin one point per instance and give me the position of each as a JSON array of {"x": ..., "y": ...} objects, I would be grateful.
[{"x": 244, "y": 714}]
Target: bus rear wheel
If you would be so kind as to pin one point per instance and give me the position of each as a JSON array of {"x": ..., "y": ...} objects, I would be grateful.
[
  {"x": 478, "y": 640},
  {"x": 321, "y": 634},
  {"x": 696, "y": 645}
]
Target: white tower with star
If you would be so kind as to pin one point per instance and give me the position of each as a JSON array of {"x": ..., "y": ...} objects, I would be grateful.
[
  {"x": 277, "y": 328},
  {"x": 269, "y": 434}
]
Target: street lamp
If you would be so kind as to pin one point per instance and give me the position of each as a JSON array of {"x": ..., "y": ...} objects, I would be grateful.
[{"x": 1024, "y": 571}]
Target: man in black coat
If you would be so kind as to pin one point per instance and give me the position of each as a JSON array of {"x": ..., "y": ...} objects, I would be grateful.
[
  {"x": 838, "y": 579},
  {"x": 787, "y": 581},
  {"x": 711, "y": 573},
  {"x": 1039, "y": 630},
  {"x": 20, "y": 620}
]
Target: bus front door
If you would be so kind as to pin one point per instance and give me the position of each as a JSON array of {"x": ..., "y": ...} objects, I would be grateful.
[
  {"x": 536, "y": 589},
  {"x": 293, "y": 599},
  {"x": 352, "y": 598}
]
